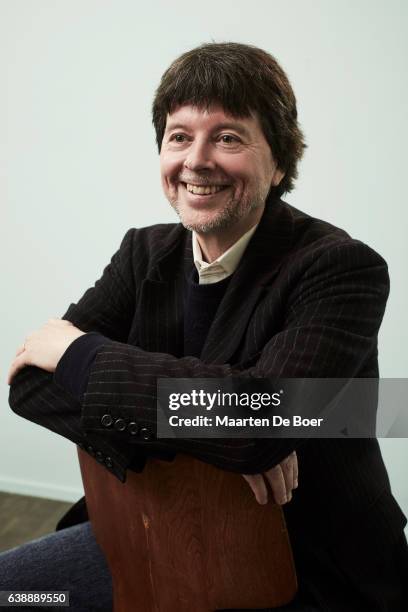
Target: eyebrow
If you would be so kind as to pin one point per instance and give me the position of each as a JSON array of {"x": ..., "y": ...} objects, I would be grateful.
[{"x": 237, "y": 127}]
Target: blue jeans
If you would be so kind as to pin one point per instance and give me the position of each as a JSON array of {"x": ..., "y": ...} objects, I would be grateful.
[{"x": 71, "y": 560}]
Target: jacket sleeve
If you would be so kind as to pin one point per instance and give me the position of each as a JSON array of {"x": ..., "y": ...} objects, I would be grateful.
[
  {"x": 330, "y": 330},
  {"x": 332, "y": 319},
  {"x": 105, "y": 308}
]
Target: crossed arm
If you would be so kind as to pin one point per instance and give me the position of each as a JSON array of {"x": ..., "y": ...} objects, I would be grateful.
[
  {"x": 44, "y": 348},
  {"x": 330, "y": 330}
]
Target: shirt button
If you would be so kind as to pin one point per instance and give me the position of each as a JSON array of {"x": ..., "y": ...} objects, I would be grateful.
[
  {"x": 108, "y": 462},
  {"x": 106, "y": 420},
  {"x": 145, "y": 433},
  {"x": 133, "y": 428},
  {"x": 119, "y": 425}
]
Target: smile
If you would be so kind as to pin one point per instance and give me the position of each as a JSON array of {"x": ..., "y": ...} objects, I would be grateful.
[{"x": 204, "y": 190}]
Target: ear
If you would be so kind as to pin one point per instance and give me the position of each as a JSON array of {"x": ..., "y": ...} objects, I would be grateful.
[{"x": 277, "y": 177}]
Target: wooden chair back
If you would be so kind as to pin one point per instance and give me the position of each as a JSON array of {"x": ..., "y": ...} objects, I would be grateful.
[{"x": 184, "y": 536}]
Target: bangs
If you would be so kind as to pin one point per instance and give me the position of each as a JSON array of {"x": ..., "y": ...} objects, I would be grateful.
[
  {"x": 243, "y": 80},
  {"x": 210, "y": 84}
]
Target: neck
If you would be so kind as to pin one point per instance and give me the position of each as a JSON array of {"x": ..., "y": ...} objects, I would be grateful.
[{"x": 214, "y": 244}]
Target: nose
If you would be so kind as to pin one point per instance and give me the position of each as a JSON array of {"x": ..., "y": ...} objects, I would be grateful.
[{"x": 199, "y": 156}]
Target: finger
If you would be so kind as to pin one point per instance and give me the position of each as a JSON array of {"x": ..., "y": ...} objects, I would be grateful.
[
  {"x": 18, "y": 364},
  {"x": 258, "y": 486},
  {"x": 277, "y": 482},
  {"x": 295, "y": 470},
  {"x": 287, "y": 471}
]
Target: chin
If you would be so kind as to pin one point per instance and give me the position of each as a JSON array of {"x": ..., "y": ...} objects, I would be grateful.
[{"x": 205, "y": 222}]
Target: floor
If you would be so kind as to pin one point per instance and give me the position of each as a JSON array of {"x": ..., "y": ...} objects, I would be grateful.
[{"x": 24, "y": 518}]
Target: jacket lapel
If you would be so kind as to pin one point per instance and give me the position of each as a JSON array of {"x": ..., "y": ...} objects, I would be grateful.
[
  {"x": 160, "y": 316},
  {"x": 160, "y": 310},
  {"x": 259, "y": 266}
]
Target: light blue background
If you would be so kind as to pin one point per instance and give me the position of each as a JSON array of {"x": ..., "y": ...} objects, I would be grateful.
[{"x": 79, "y": 165}]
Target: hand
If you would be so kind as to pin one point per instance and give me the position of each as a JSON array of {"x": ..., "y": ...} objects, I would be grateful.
[
  {"x": 283, "y": 478},
  {"x": 44, "y": 348}
]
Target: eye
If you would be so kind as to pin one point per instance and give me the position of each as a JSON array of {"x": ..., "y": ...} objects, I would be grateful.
[
  {"x": 229, "y": 140},
  {"x": 178, "y": 138}
]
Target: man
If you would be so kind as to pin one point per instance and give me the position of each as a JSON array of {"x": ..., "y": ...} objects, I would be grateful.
[{"x": 245, "y": 286}]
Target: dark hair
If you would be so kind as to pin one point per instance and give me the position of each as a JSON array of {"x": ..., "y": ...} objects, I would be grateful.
[{"x": 241, "y": 79}]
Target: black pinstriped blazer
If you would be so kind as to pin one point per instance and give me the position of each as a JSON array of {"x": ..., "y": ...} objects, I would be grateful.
[{"x": 306, "y": 301}]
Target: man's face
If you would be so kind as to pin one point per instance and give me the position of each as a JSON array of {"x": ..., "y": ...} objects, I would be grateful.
[{"x": 215, "y": 169}]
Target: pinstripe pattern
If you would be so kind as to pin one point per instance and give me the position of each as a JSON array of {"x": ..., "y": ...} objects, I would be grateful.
[{"x": 305, "y": 301}]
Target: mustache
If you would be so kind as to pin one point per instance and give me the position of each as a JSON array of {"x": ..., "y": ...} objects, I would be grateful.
[{"x": 203, "y": 181}]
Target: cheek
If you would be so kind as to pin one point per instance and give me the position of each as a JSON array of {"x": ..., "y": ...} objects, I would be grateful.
[
  {"x": 267, "y": 166},
  {"x": 169, "y": 170},
  {"x": 241, "y": 169},
  {"x": 164, "y": 183}
]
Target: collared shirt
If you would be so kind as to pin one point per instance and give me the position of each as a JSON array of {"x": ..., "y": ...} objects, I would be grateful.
[
  {"x": 225, "y": 264},
  {"x": 72, "y": 371}
]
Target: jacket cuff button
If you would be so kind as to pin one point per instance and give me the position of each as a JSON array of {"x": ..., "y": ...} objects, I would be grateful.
[
  {"x": 106, "y": 420},
  {"x": 133, "y": 428},
  {"x": 119, "y": 425},
  {"x": 146, "y": 434}
]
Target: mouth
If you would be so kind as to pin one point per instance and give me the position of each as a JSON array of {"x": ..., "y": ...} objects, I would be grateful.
[{"x": 204, "y": 191}]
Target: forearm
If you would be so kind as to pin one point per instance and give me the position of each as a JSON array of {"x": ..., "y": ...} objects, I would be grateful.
[{"x": 330, "y": 331}]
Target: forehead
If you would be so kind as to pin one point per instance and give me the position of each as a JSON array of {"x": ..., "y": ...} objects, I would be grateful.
[{"x": 214, "y": 116}]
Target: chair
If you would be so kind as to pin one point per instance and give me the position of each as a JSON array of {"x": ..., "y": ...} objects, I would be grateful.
[{"x": 184, "y": 536}]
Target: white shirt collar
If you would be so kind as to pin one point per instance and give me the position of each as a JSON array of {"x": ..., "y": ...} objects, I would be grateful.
[{"x": 225, "y": 264}]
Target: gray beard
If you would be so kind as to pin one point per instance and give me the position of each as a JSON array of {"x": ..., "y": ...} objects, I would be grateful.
[{"x": 227, "y": 217}]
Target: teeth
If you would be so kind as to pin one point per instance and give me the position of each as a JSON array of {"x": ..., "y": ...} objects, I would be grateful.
[{"x": 207, "y": 190}]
